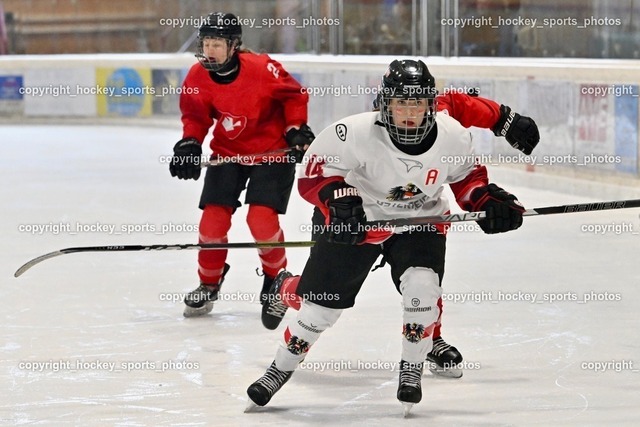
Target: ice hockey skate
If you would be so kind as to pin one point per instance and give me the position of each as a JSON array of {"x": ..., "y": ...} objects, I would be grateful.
[
  {"x": 443, "y": 359},
  {"x": 409, "y": 385},
  {"x": 261, "y": 391},
  {"x": 273, "y": 309},
  {"x": 266, "y": 286},
  {"x": 200, "y": 301}
]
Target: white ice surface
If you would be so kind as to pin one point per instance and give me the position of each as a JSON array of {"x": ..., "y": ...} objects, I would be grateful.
[{"x": 528, "y": 362}]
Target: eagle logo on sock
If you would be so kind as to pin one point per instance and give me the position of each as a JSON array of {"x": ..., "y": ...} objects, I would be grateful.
[
  {"x": 297, "y": 345},
  {"x": 413, "y": 332}
]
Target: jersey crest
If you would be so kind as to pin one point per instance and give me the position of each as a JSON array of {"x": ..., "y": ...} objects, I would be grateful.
[
  {"x": 403, "y": 193},
  {"x": 232, "y": 125}
]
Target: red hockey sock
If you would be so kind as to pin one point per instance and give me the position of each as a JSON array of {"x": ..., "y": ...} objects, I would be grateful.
[
  {"x": 288, "y": 292},
  {"x": 214, "y": 225},
  {"x": 265, "y": 227},
  {"x": 436, "y": 330}
]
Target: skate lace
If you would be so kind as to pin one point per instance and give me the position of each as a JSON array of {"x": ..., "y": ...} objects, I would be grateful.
[
  {"x": 439, "y": 347},
  {"x": 273, "y": 379},
  {"x": 411, "y": 374},
  {"x": 277, "y": 309}
]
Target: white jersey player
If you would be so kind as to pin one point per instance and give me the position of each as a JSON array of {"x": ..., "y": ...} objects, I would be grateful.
[
  {"x": 376, "y": 166},
  {"x": 391, "y": 183}
]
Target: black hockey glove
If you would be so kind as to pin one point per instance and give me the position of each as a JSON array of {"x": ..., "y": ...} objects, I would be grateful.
[
  {"x": 519, "y": 131},
  {"x": 346, "y": 215},
  {"x": 185, "y": 163},
  {"x": 298, "y": 139},
  {"x": 504, "y": 212}
]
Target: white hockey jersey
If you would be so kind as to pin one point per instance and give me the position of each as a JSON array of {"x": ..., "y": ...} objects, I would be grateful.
[{"x": 392, "y": 184}]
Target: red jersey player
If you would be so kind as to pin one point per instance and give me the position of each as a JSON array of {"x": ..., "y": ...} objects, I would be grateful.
[{"x": 255, "y": 107}]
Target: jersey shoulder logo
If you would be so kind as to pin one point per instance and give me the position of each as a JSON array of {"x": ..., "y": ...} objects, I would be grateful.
[
  {"x": 410, "y": 164},
  {"x": 341, "y": 131},
  {"x": 232, "y": 125},
  {"x": 403, "y": 193}
]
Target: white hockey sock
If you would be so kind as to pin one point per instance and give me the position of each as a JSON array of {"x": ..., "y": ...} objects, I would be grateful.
[
  {"x": 420, "y": 288},
  {"x": 303, "y": 332}
]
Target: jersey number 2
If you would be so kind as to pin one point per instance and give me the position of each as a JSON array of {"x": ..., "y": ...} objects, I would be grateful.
[{"x": 273, "y": 70}]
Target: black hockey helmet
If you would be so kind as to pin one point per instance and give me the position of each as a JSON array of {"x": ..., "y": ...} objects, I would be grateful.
[
  {"x": 223, "y": 26},
  {"x": 410, "y": 80}
]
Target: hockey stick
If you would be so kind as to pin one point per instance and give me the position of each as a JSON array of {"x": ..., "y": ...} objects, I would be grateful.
[
  {"x": 245, "y": 159},
  {"x": 384, "y": 224},
  {"x": 130, "y": 248},
  {"x": 475, "y": 216}
]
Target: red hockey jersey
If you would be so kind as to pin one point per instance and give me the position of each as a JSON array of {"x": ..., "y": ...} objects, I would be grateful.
[{"x": 251, "y": 113}]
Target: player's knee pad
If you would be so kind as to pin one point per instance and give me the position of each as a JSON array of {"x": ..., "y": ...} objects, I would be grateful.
[
  {"x": 214, "y": 223},
  {"x": 311, "y": 321},
  {"x": 263, "y": 223},
  {"x": 420, "y": 288}
]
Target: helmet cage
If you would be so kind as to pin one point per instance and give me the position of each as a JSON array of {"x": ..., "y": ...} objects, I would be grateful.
[
  {"x": 408, "y": 135},
  {"x": 408, "y": 80}
]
